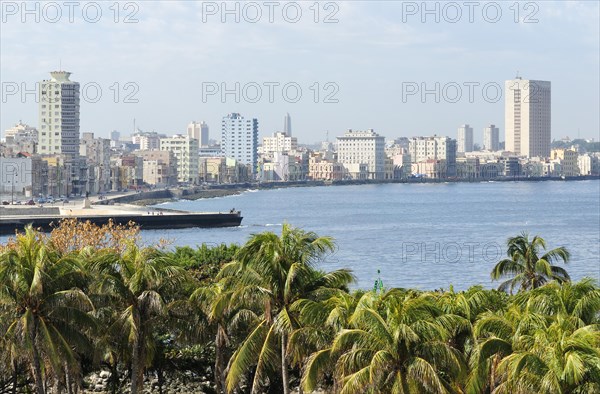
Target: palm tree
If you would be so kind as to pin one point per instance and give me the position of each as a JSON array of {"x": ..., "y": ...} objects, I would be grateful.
[
  {"x": 555, "y": 358},
  {"x": 396, "y": 343},
  {"x": 48, "y": 316},
  {"x": 577, "y": 302},
  {"x": 526, "y": 268},
  {"x": 219, "y": 304},
  {"x": 546, "y": 341},
  {"x": 137, "y": 280},
  {"x": 279, "y": 271}
]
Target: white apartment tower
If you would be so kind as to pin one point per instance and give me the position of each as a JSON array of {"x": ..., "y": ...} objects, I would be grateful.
[
  {"x": 491, "y": 138},
  {"x": 185, "y": 150},
  {"x": 198, "y": 131},
  {"x": 464, "y": 139},
  {"x": 59, "y": 116},
  {"x": 527, "y": 116},
  {"x": 239, "y": 139},
  {"x": 287, "y": 124},
  {"x": 363, "y": 147}
]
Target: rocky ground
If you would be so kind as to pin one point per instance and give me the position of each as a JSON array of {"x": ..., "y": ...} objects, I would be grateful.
[{"x": 184, "y": 383}]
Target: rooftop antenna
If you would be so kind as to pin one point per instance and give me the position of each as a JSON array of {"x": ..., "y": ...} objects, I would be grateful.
[{"x": 59, "y": 64}]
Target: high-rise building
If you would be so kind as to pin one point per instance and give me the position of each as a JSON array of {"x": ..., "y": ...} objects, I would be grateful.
[
  {"x": 491, "y": 138},
  {"x": 464, "y": 139},
  {"x": 239, "y": 139},
  {"x": 59, "y": 116},
  {"x": 358, "y": 148},
  {"x": 527, "y": 116},
  {"x": 198, "y": 131},
  {"x": 287, "y": 125},
  {"x": 185, "y": 150},
  {"x": 115, "y": 135}
]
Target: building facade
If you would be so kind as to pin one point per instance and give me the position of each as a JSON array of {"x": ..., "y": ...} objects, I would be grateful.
[
  {"x": 239, "y": 140},
  {"x": 185, "y": 150},
  {"x": 278, "y": 143},
  {"x": 59, "y": 116},
  {"x": 527, "y": 116},
  {"x": 491, "y": 138},
  {"x": 287, "y": 125},
  {"x": 198, "y": 131},
  {"x": 362, "y": 147},
  {"x": 433, "y": 155},
  {"x": 464, "y": 139}
]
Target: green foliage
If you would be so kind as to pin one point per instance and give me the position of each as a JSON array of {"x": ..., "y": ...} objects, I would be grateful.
[
  {"x": 205, "y": 261},
  {"x": 263, "y": 318},
  {"x": 583, "y": 144}
]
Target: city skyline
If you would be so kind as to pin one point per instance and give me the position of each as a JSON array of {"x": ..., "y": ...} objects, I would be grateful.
[{"x": 426, "y": 54}]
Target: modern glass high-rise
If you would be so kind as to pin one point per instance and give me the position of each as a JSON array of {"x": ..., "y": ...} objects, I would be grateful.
[
  {"x": 287, "y": 125},
  {"x": 464, "y": 138},
  {"x": 527, "y": 116},
  {"x": 239, "y": 139},
  {"x": 59, "y": 116},
  {"x": 491, "y": 138}
]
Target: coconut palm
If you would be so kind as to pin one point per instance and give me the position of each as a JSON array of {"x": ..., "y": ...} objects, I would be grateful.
[
  {"x": 279, "y": 270},
  {"x": 578, "y": 302},
  {"x": 558, "y": 358},
  {"x": 48, "y": 317},
  {"x": 526, "y": 268},
  {"x": 137, "y": 281},
  {"x": 546, "y": 341},
  {"x": 396, "y": 343},
  {"x": 221, "y": 307},
  {"x": 332, "y": 316},
  {"x": 494, "y": 333}
]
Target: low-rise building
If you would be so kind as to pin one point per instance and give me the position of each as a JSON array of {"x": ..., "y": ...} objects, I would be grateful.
[
  {"x": 322, "y": 169},
  {"x": 568, "y": 159}
]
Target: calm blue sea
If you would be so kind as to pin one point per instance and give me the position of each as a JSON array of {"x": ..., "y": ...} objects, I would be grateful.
[{"x": 426, "y": 236}]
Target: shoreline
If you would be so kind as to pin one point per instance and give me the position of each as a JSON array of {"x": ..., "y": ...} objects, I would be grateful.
[{"x": 154, "y": 197}]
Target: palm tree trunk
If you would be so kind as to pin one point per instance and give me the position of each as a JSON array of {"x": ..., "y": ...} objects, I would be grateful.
[
  {"x": 15, "y": 377},
  {"x": 68, "y": 379},
  {"x": 137, "y": 363},
  {"x": 495, "y": 360},
  {"x": 37, "y": 369},
  {"x": 219, "y": 362},
  {"x": 284, "y": 366},
  {"x": 405, "y": 388}
]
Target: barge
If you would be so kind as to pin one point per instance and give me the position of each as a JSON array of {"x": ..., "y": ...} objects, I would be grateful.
[{"x": 162, "y": 219}]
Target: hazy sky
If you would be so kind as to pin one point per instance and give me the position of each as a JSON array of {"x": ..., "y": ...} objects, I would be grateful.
[{"x": 366, "y": 59}]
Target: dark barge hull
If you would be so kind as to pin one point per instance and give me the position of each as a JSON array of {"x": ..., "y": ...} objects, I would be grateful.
[{"x": 146, "y": 222}]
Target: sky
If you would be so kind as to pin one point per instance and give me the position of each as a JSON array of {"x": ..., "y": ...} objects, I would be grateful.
[{"x": 332, "y": 65}]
